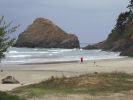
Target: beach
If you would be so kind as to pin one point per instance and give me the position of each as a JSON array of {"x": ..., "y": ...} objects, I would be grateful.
[{"x": 34, "y": 73}]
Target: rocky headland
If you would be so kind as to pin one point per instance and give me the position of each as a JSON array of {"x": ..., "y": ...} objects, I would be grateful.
[
  {"x": 43, "y": 33},
  {"x": 121, "y": 37}
]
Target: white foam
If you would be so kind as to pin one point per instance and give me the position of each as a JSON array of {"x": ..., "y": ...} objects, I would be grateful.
[
  {"x": 27, "y": 52},
  {"x": 50, "y": 54},
  {"x": 35, "y": 49},
  {"x": 67, "y": 50},
  {"x": 36, "y": 55},
  {"x": 19, "y": 56},
  {"x": 55, "y": 52},
  {"x": 13, "y": 52}
]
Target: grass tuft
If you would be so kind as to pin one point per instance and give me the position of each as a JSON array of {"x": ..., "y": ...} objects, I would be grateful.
[{"x": 6, "y": 96}]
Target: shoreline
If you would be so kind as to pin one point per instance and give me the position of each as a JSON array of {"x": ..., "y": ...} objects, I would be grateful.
[
  {"x": 17, "y": 56},
  {"x": 70, "y": 61},
  {"x": 34, "y": 73}
]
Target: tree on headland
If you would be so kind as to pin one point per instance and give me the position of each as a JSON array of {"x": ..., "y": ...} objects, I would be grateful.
[
  {"x": 5, "y": 40},
  {"x": 131, "y": 1},
  {"x": 130, "y": 6},
  {"x": 122, "y": 24}
]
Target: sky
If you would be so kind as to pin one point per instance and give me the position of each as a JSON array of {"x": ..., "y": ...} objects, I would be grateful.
[{"x": 90, "y": 20}]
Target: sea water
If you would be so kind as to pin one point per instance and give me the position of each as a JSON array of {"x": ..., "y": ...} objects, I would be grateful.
[{"x": 44, "y": 55}]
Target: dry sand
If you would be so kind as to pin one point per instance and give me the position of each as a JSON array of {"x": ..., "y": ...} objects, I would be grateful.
[{"x": 33, "y": 73}]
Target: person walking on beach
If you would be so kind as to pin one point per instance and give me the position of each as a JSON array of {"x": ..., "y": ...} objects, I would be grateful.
[{"x": 81, "y": 59}]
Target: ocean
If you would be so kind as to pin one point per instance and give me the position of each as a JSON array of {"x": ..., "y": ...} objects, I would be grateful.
[{"x": 43, "y": 55}]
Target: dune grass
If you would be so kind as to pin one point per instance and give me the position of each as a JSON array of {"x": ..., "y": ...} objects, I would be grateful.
[
  {"x": 84, "y": 84},
  {"x": 6, "y": 96}
]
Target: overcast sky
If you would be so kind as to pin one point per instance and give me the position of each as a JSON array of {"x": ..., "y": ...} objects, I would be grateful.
[{"x": 90, "y": 20}]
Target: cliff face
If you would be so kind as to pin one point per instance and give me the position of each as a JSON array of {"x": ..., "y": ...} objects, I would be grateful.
[
  {"x": 121, "y": 37},
  {"x": 44, "y": 33}
]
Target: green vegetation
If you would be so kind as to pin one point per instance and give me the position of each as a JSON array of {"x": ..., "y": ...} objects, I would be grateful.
[
  {"x": 130, "y": 6},
  {"x": 5, "y": 43},
  {"x": 123, "y": 27},
  {"x": 5, "y": 96},
  {"x": 121, "y": 30},
  {"x": 5, "y": 40},
  {"x": 84, "y": 84}
]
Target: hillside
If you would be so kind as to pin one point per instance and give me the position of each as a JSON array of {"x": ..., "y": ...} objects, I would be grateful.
[{"x": 121, "y": 36}]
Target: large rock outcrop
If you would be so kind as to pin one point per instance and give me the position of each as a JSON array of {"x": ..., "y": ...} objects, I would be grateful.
[
  {"x": 121, "y": 37},
  {"x": 43, "y": 33}
]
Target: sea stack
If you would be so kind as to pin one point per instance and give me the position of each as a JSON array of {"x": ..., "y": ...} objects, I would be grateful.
[{"x": 43, "y": 33}]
